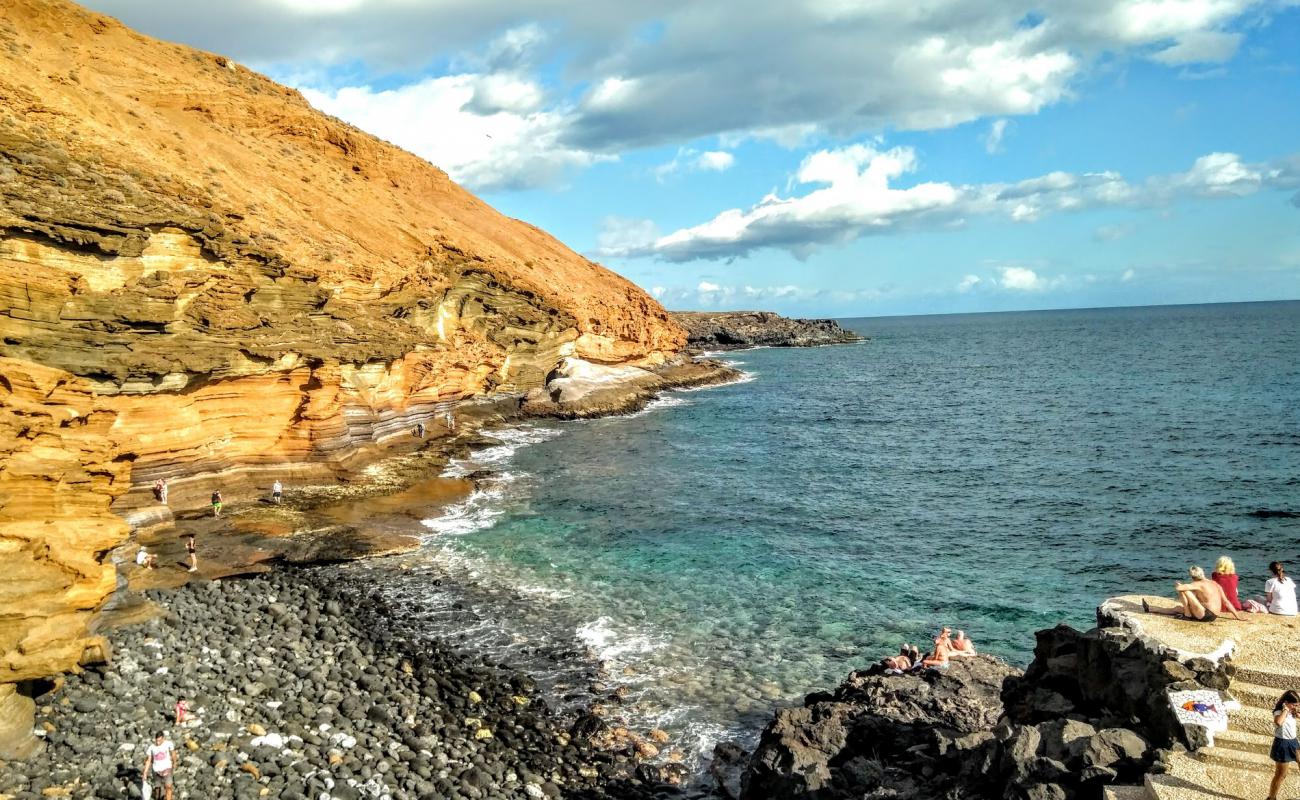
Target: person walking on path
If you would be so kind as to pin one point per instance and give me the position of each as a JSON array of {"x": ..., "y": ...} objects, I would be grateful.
[
  {"x": 160, "y": 761},
  {"x": 1285, "y": 746},
  {"x": 1279, "y": 591},
  {"x": 193, "y": 552},
  {"x": 277, "y": 489},
  {"x": 216, "y": 502}
]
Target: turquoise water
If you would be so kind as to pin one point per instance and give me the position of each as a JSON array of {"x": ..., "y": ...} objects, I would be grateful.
[{"x": 739, "y": 546}]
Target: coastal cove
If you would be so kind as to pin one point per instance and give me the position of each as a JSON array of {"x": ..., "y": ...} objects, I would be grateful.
[{"x": 729, "y": 550}]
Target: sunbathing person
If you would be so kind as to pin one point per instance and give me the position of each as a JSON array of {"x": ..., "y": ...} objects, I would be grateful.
[
  {"x": 899, "y": 663},
  {"x": 942, "y": 650},
  {"x": 1202, "y": 600},
  {"x": 961, "y": 646}
]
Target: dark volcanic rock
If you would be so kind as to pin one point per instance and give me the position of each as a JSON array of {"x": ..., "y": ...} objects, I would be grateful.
[
  {"x": 732, "y": 329},
  {"x": 868, "y": 732}
]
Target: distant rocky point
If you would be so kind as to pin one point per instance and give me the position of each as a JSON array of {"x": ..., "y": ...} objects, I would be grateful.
[{"x": 709, "y": 330}]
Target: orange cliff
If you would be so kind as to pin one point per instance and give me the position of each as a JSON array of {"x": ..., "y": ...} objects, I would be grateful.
[{"x": 200, "y": 273}]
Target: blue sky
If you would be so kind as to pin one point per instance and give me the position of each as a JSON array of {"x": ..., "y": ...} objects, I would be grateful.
[{"x": 834, "y": 157}]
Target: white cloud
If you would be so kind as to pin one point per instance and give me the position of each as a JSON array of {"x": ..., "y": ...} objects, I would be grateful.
[
  {"x": 993, "y": 139},
  {"x": 715, "y": 161},
  {"x": 857, "y": 196},
  {"x": 620, "y": 234},
  {"x": 706, "y": 288},
  {"x": 784, "y": 71},
  {"x": 1022, "y": 279},
  {"x": 969, "y": 282},
  {"x": 483, "y": 130},
  {"x": 1127, "y": 276},
  {"x": 691, "y": 160}
]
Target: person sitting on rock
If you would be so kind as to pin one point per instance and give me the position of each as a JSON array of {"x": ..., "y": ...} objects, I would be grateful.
[
  {"x": 962, "y": 646},
  {"x": 1202, "y": 600},
  {"x": 146, "y": 559},
  {"x": 1279, "y": 591},
  {"x": 1225, "y": 574},
  {"x": 942, "y": 650}
]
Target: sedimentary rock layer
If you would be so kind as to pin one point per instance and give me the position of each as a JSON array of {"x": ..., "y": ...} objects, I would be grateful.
[
  {"x": 201, "y": 274},
  {"x": 721, "y": 330}
]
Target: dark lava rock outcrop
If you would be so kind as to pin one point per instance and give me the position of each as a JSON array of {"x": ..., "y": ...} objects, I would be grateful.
[
  {"x": 1090, "y": 711},
  {"x": 708, "y": 330}
]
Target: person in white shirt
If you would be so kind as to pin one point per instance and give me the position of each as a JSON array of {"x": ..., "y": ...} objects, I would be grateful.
[
  {"x": 1285, "y": 746},
  {"x": 277, "y": 489},
  {"x": 1279, "y": 591},
  {"x": 160, "y": 761}
]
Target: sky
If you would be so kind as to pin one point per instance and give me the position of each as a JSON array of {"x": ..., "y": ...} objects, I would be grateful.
[{"x": 833, "y": 157}]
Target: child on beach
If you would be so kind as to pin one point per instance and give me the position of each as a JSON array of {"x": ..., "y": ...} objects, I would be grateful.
[{"x": 1285, "y": 746}]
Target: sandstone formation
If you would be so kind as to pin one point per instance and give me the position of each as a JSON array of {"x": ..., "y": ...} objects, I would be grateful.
[
  {"x": 201, "y": 277},
  {"x": 725, "y": 330}
]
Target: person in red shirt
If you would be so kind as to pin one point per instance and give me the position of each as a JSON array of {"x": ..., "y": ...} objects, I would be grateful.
[{"x": 1225, "y": 574}]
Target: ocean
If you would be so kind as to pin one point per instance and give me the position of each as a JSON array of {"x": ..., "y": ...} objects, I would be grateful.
[{"x": 733, "y": 548}]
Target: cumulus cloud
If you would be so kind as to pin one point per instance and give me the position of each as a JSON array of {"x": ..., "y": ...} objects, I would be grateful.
[
  {"x": 1023, "y": 279},
  {"x": 782, "y": 71},
  {"x": 487, "y": 132},
  {"x": 968, "y": 283},
  {"x": 1128, "y": 275},
  {"x": 858, "y": 196},
  {"x": 690, "y": 160}
]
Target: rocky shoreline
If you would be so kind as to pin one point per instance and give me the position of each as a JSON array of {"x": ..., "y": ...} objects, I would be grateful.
[
  {"x": 300, "y": 687},
  {"x": 733, "y": 330},
  {"x": 1090, "y": 714}
]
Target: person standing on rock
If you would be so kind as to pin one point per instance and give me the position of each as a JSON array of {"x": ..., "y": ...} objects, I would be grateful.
[
  {"x": 277, "y": 490},
  {"x": 160, "y": 761},
  {"x": 216, "y": 502},
  {"x": 419, "y": 430},
  {"x": 1285, "y": 747},
  {"x": 160, "y": 490},
  {"x": 193, "y": 552}
]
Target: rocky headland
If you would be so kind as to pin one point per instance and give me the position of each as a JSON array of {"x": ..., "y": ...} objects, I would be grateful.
[
  {"x": 731, "y": 330},
  {"x": 205, "y": 280},
  {"x": 1089, "y": 718}
]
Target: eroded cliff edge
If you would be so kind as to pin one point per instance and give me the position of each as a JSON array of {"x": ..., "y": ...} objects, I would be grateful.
[{"x": 201, "y": 274}]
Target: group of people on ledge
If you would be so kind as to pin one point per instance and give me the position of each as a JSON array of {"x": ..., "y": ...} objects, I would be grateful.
[
  {"x": 1206, "y": 599},
  {"x": 946, "y": 647}
]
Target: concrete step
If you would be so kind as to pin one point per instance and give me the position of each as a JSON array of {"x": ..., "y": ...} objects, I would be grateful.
[
  {"x": 1192, "y": 779},
  {"x": 1254, "y": 694},
  {"x": 1280, "y": 681},
  {"x": 1251, "y": 719},
  {"x": 1243, "y": 740},
  {"x": 1234, "y": 758},
  {"x": 1127, "y": 793}
]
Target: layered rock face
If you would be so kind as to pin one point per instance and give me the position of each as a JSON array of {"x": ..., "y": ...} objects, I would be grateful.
[
  {"x": 723, "y": 330},
  {"x": 200, "y": 274}
]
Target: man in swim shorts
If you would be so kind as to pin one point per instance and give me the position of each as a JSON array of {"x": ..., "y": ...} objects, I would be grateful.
[{"x": 1202, "y": 600}]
